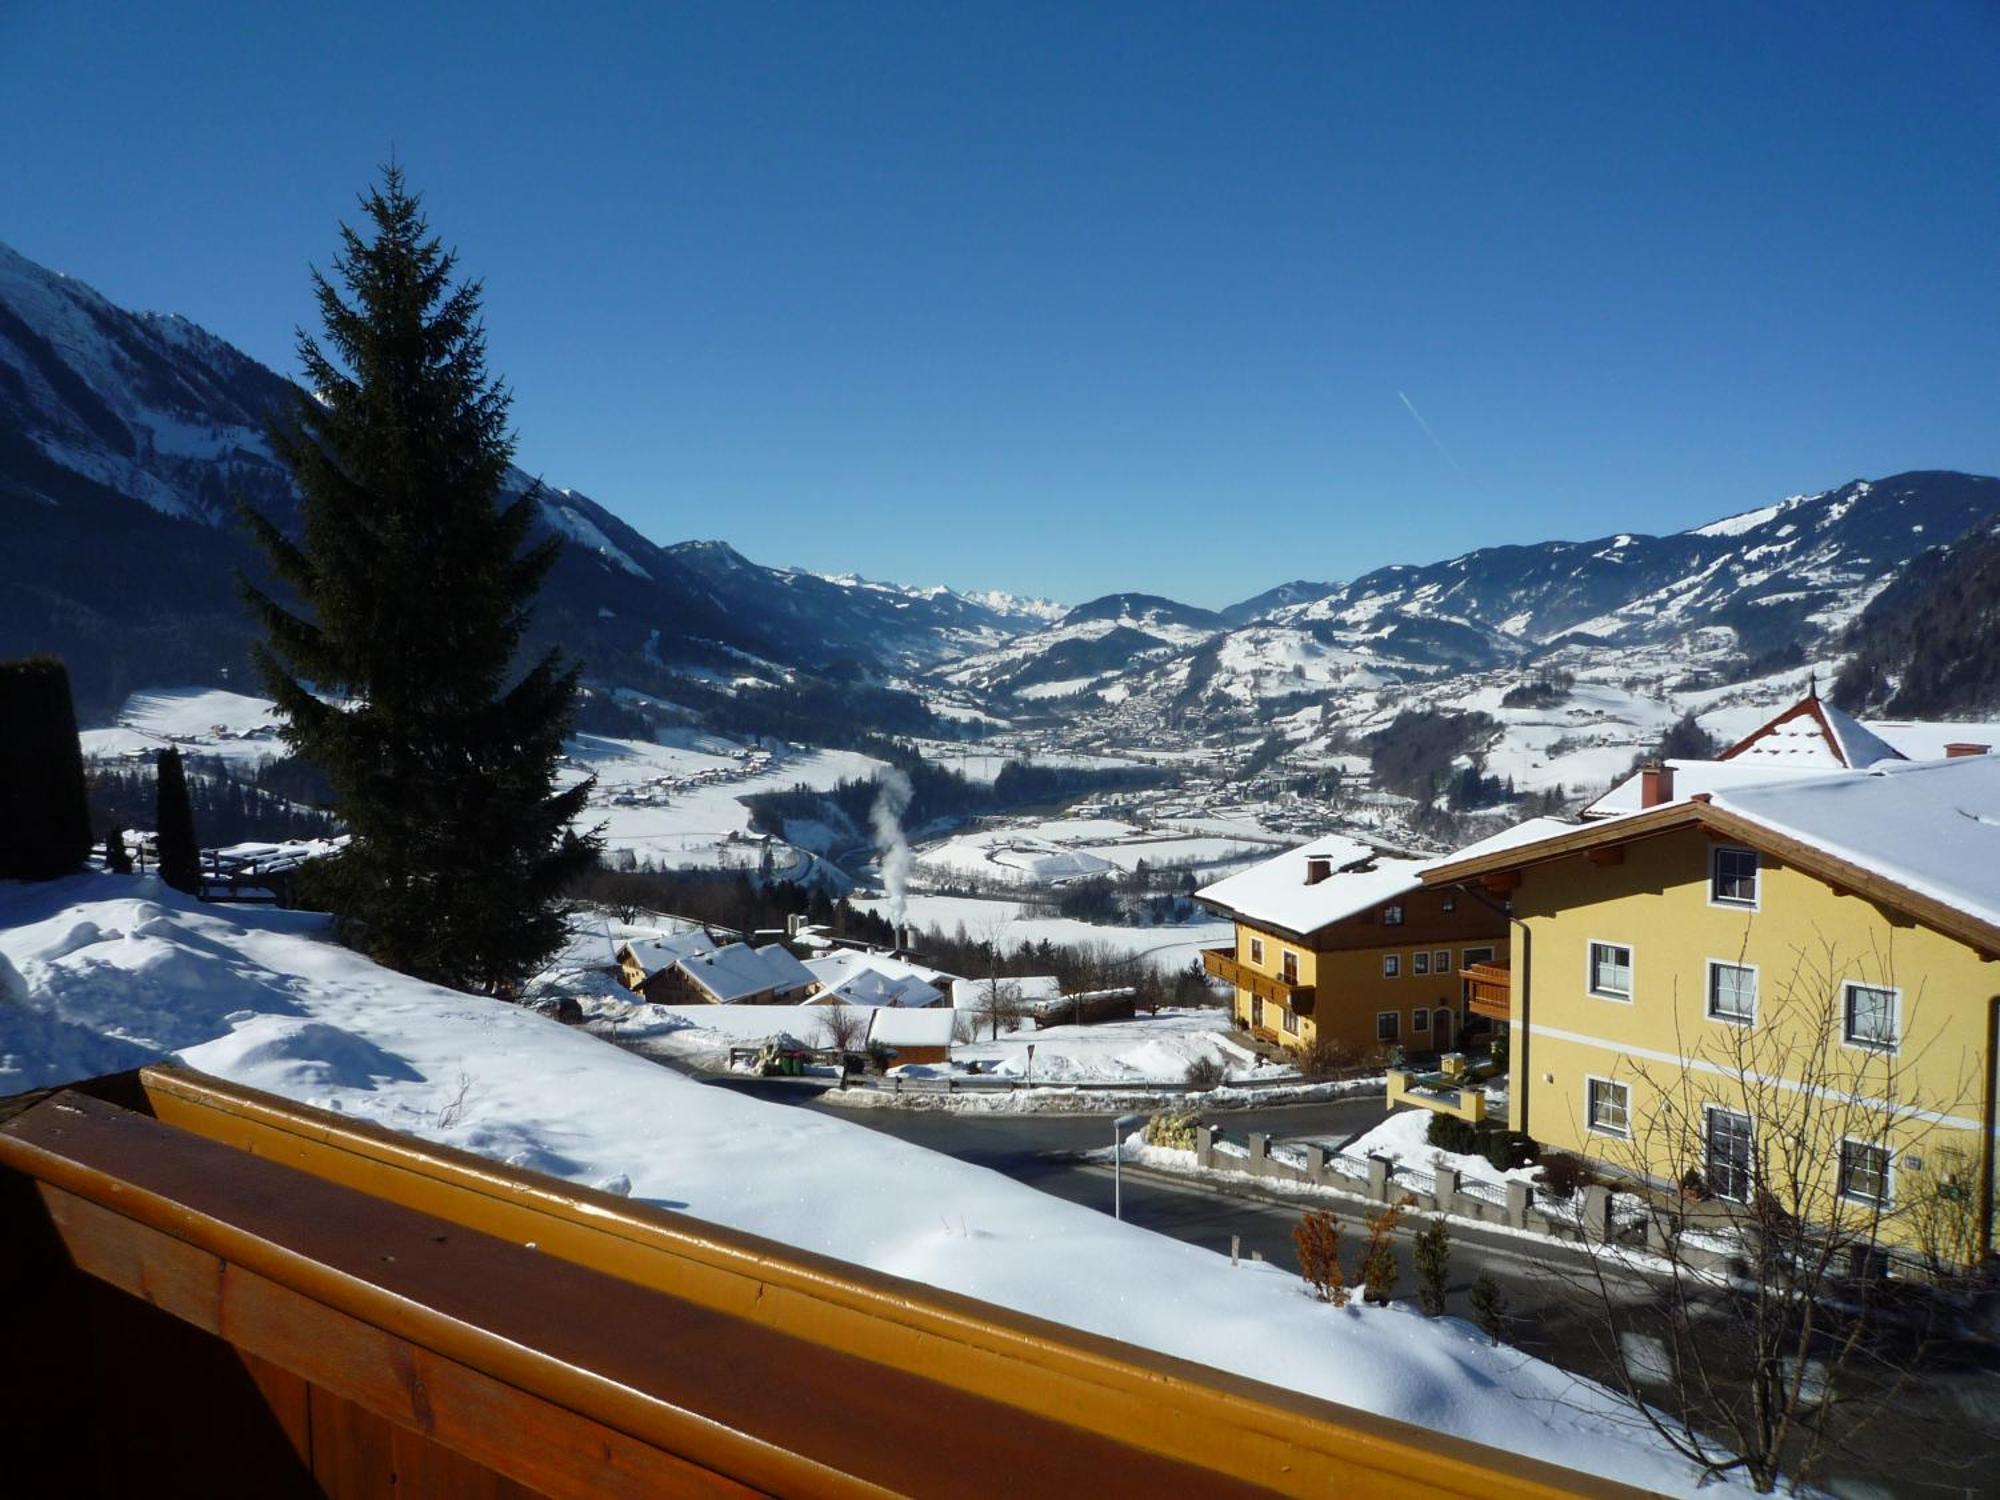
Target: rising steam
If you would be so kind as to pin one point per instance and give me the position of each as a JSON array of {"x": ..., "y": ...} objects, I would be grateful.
[{"x": 892, "y": 800}]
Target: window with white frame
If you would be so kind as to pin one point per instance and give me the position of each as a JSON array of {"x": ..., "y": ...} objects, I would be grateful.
[
  {"x": 1441, "y": 961},
  {"x": 1420, "y": 1019},
  {"x": 1732, "y": 992},
  {"x": 1289, "y": 965},
  {"x": 1610, "y": 1108},
  {"x": 1731, "y": 1164},
  {"x": 1392, "y": 916},
  {"x": 1732, "y": 876},
  {"x": 1256, "y": 950},
  {"x": 1864, "y": 1173},
  {"x": 1469, "y": 956},
  {"x": 1870, "y": 1016},
  {"x": 1611, "y": 971},
  {"x": 1388, "y": 1025},
  {"x": 1420, "y": 962},
  {"x": 1392, "y": 965},
  {"x": 1290, "y": 1021}
]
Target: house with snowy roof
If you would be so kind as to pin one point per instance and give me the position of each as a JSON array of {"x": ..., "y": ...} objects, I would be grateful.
[
  {"x": 852, "y": 976},
  {"x": 1686, "y": 976},
  {"x": 1338, "y": 942},
  {"x": 734, "y": 974},
  {"x": 1810, "y": 738},
  {"x": 641, "y": 960}
]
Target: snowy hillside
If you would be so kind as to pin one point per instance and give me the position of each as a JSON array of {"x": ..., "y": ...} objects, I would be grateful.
[{"x": 102, "y": 972}]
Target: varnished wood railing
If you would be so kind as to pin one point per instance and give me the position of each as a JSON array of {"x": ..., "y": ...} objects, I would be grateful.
[{"x": 646, "y": 1351}]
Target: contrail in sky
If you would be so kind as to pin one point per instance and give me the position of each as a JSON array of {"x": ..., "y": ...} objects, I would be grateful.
[{"x": 1436, "y": 441}]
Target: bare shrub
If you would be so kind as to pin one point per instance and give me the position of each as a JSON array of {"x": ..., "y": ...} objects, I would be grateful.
[
  {"x": 1203, "y": 1074},
  {"x": 1317, "y": 1239}
]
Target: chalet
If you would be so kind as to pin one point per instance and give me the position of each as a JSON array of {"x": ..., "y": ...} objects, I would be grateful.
[
  {"x": 1839, "y": 928},
  {"x": 1339, "y": 943},
  {"x": 857, "y": 977},
  {"x": 735, "y": 974},
  {"x": 643, "y": 960}
]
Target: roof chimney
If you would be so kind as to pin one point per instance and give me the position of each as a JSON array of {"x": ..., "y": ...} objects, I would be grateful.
[
  {"x": 1959, "y": 749},
  {"x": 1318, "y": 867},
  {"x": 1656, "y": 785}
]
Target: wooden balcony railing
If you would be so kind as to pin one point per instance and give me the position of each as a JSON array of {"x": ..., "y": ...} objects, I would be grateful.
[
  {"x": 1489, "y": 990},
  {"x": 1221, "y": 962},
  {"x": 220, "y": 1291}
]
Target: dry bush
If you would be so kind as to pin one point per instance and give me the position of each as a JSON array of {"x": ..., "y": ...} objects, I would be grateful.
[{"x": 1317, "y": 1238}]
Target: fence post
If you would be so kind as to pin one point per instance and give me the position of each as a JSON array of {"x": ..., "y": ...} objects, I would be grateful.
[
  {"x": 1260, "y": 1153},
  {"x": 1379, "y": 1168},
  {"x": 1316, "y": 1162},
  {"x": 1519, "y": 1197},
  {"x": 1444, "y": 1189},
  {"x": 1595, "y": 1221},
  {"x": 1204, "y": 1145}
]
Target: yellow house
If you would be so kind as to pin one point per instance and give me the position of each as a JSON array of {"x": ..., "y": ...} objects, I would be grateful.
[
  {"x": 1337, "y": 942},
  {"x": 1790, "y": 982}
]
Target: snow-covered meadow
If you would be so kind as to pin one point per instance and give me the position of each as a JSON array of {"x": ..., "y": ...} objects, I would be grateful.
[{"x": 99, "y": 972}]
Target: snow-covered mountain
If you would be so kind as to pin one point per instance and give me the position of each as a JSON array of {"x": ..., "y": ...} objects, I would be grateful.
[
  {"x": 1086, "y": 647},
  {"x": 127, "y": 440}
]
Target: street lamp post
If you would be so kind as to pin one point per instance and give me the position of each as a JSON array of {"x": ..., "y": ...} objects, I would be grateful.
[{"x": 1118, "y": 1128}]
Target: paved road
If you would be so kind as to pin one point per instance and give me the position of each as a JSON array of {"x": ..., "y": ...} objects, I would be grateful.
[{"x": 1953, "y": 1413}]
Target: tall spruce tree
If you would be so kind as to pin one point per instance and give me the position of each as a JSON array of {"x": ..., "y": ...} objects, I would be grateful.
[
  {"x": 44, "y": 804},
  {"x": 173, "y": 826},
  {"x": 416, "y": 579}
]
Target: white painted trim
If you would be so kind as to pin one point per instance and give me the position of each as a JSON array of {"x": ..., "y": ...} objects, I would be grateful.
[
  {"x": 1716, "y": 901},
  {"x": 1702, "y": 1065},
  {"x": 1708, "y": 1176},
  {"x": 1590, "y": 1125},
  {"x": 1879, "y": 1049},
  {"x": 1420, "y": 962},
  {"x": 1389, "y": 960},
  {"x": 1590, "y": 988},
  {"x": 1888, "y": 1203},
  {"x": 1708, "y": 992}
]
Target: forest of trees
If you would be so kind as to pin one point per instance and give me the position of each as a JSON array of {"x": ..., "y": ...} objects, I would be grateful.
[
  {"x": 1923, "y": 648},
  {"x": 233, "y": 803}
]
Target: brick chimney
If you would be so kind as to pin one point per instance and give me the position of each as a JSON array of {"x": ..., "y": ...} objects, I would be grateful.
[
  {"x": 1959, "y": 749},
  {"x": 1318, "y": 867},
  {"x": 1656, "y": 785}
]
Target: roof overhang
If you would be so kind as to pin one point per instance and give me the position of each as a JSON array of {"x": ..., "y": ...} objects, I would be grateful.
[{"x": 1846, "y": 877}]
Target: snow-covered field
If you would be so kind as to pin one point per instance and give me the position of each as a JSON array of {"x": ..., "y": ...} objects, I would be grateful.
[
  {"x": 100, "y": 972},
  {"x": 1005, "y": 924},
  {"x": 1145, "y": 1049},
  {"x": 204, "y": 721}
]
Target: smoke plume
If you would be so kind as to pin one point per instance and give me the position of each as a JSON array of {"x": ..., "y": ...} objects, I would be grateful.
[{"x": 892, "y": 800}]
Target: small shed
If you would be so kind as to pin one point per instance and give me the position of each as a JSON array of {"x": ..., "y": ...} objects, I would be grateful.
[{"x": 916, "y": 1035}]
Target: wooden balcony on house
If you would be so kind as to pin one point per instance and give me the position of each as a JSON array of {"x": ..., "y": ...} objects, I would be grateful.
[
  {"x": 1222, "y": 964},
  {"x": 1489, "y": 990},
  {"x": 221, "y": 1291}
]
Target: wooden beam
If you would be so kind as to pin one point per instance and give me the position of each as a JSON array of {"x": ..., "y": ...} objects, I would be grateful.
[{"x": 1606, "y": 854}]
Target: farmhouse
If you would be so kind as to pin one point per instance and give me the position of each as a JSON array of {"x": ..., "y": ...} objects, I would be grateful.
[
  {"x": 642, "y": 960},
  {"x": 736, "y": 974},
  {"x": 856, "y": 977}
]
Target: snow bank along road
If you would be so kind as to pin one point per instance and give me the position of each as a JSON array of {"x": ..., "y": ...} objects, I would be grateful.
[{"x": 102, "y": 972}]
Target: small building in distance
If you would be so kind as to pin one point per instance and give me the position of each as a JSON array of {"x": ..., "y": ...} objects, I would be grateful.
[
  {"x": 915, "y": 1035},
  {"x": 735, "y": 974},
  {"x": 858, "y": 977},
  {"x": 642, "y": 960}
]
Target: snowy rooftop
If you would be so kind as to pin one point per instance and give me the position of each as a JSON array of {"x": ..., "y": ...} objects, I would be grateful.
[
  {"x": 872, "y": 979},
  {"x": 738, "y": 971},
  {"x": 1927, "y": 740},
  {"x": 912, "y": 1028},
  {"x": 1694, "y": 778},
  {"x": 1930, "y": 826},
  {"x": 1812, "y": 732},
  {"x": 655, "y": 954}
]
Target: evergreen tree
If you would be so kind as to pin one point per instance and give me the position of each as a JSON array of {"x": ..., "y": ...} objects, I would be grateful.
[
  {"x": 116, "y": 860},
  {"x": 1433, "y": 1247},
  {"x": 417, "y": 581},
  {"x": 179, "y": 851},
  {"x": 44, "y": 807}
]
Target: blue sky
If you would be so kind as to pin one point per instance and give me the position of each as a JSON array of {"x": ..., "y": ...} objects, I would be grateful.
[{"x": 1071, "y": 298}]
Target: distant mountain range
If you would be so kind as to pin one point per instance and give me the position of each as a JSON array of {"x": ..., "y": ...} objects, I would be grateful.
[{"x": 127, "y": 439}]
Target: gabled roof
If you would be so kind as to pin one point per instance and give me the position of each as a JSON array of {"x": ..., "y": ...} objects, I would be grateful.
[
  {"x": 912, "y": 1028},
  {"x": 1920, "y": 836},
  {"x": 1812, "y": 732},
  {"x": 1275, "y": 895},
  {"x": 655, "y": 954},
  {"x": 872, "y": 979},
  {"x": 738, "y": 971}
]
